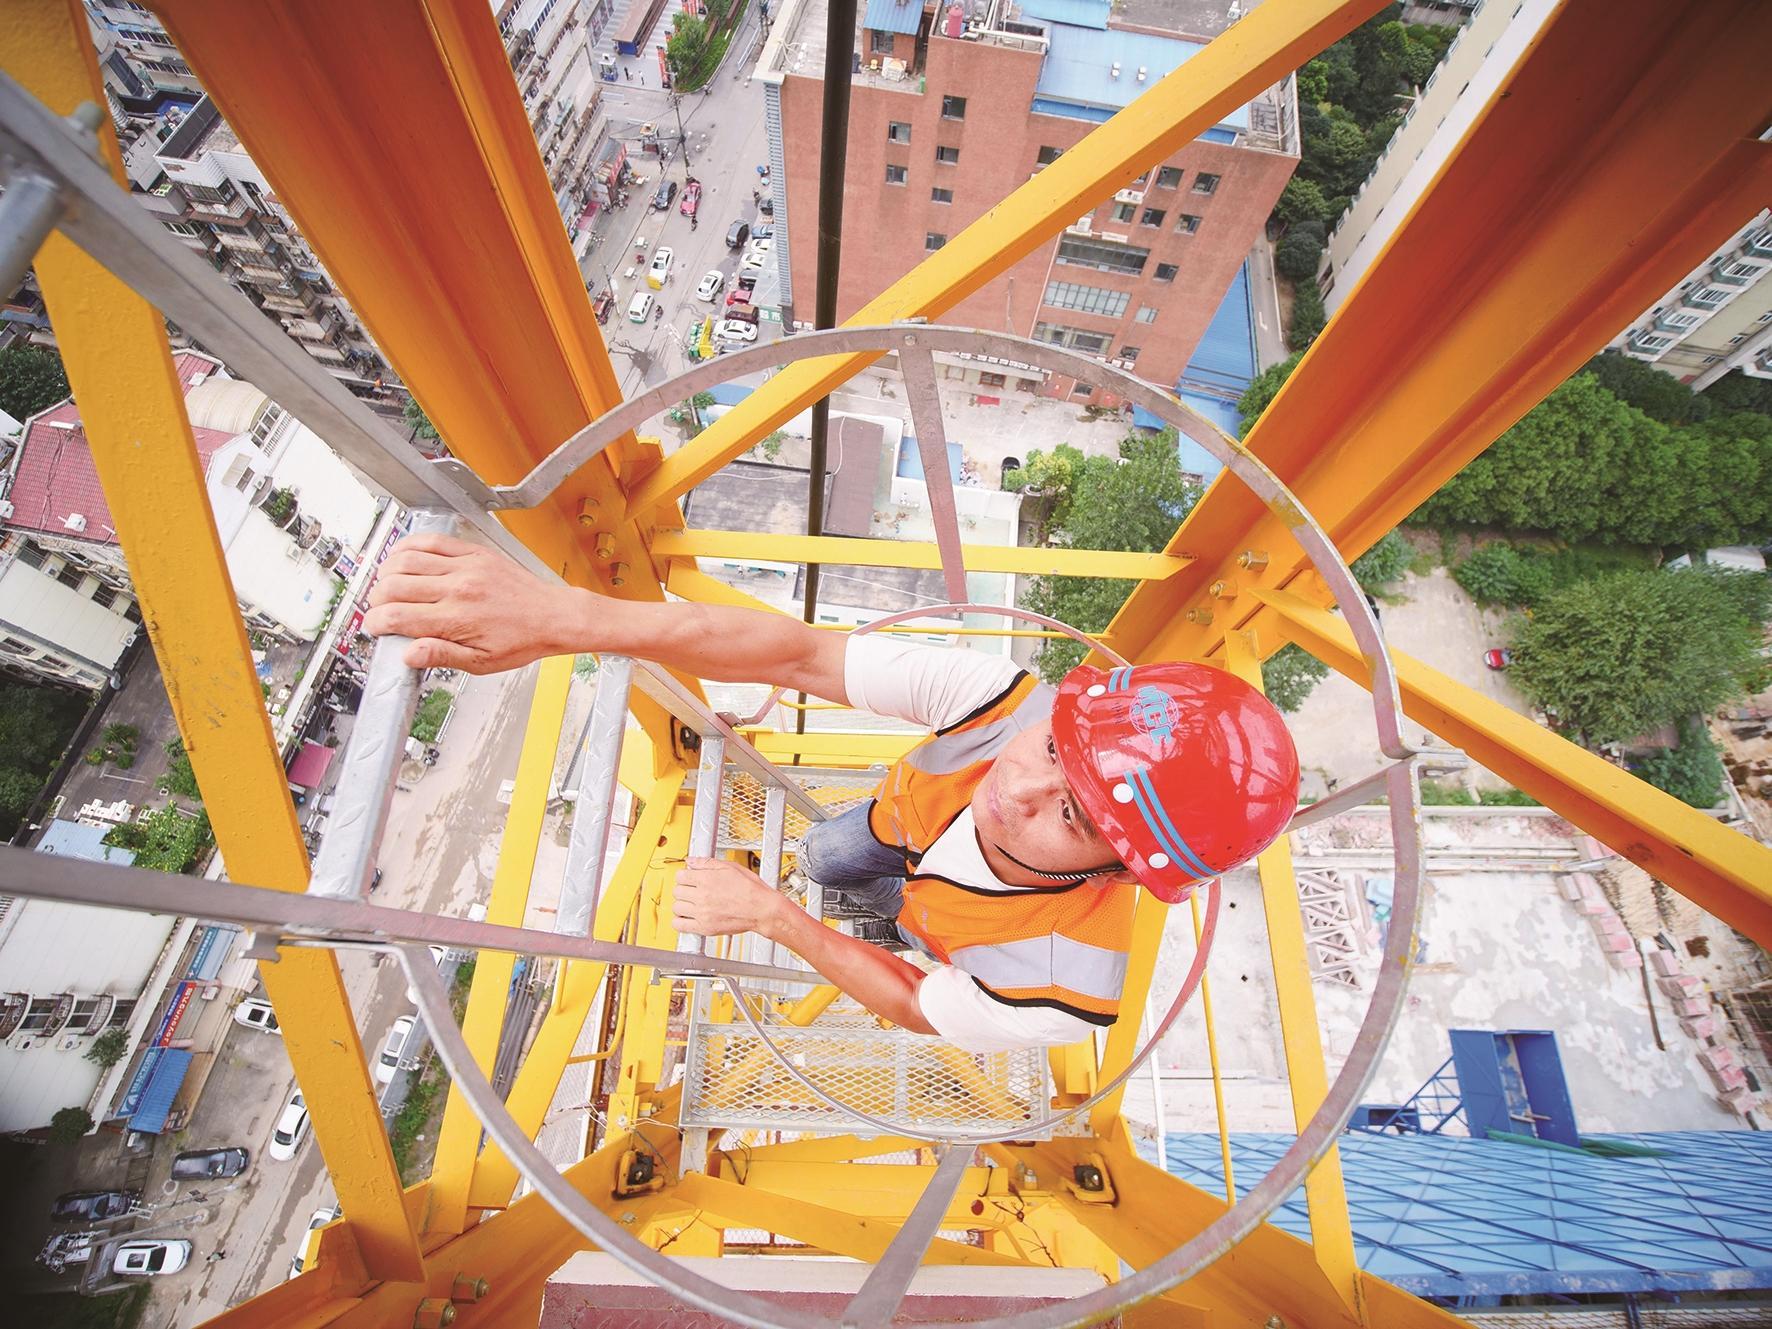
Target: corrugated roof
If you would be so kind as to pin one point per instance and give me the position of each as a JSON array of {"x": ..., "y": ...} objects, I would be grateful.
[
  {"x": 1081, "y": 13},
  {"x": 164, "y": 1082},
  {"x": 56, "y": 477},
  {"x": 1078, "y": 69},
  {"x": 901, "y": 16},
  {"x": 1224, "y": 361},
  {"x": 73, "y": 839},
  {"x": 1452, "y": 1216}
]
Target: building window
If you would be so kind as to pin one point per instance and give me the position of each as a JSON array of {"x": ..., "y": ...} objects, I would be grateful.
[
  {"x": 1048, "y": 156},
  {"x": 953, "y": 108},
  {"x": 933, "y": 240},
  {"x": 1077, "y": 339},
  {"x": 941, "y": 196},
  {"x": 1125, "y": 212},
  {"x": 1166, "y": 272},
  {"x": 1187, "y": 223},
  {"x": 1169, "y": 177},
  {"x": 103, "y": 596},
  {"x": 184, "y": 228},
  {"x": 1738, "y": 338},
  {"x": 879, "y": 43},
  {"x": 16, "y": 647},
  {"x": 948, "y": 156},
  {"x": 120, "y": 1013},
  {"x": 895, "y": 175},
  {"x": 1146, "y": 314},
  {"x": 1743, "y": 270},
  {"x": 39, "y": 1016},
  {"x": 267, "y": 422},
  {"x": 30, "y": 555},
  {"x": 1104, "y": 255},
  {"x": 1129, "y": 354},
  {"x": 1085, "y": 299},
  {"x": 70, "y": 576},
  {"x": 1152, "y": 217},
  {"x": 1712, "y": 359},
  {"x": 133, "y": 612},
  {"x": 1082, "y": 389},
  {"x": 992, "y": 380},
  {"x": 89, "y": 1014},
  {"x": 897, "y": 131},
  {"x": 1204, "y": 183},
  {"x": 1709, "y": 295}
]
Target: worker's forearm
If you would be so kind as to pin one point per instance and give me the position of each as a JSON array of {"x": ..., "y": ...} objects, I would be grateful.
[
  {"x": 719, "y": 642},
  {"x": 876, "y": 978}
]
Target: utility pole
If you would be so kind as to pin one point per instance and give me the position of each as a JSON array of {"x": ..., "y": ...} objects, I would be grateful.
[{"x": 682, "y": 138}]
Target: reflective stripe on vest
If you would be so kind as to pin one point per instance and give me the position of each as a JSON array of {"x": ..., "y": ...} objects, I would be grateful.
[{"x": 1063, "y": 947}]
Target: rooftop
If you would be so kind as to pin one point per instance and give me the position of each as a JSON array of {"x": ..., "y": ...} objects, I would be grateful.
[{"x": 54, "y": 478}]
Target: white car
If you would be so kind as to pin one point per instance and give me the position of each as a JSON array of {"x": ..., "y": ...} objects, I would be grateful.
[
  {"x": 710, "y": 286},
  {"x": 661, "y": 265},
  {"x": 388, "y": 1063},
  {"x": 291, "y": 1129},
  {"x": 256, "y": 1013},
  {"x": 753, "y": 258},
  {"x": 147, "y": 1258},
  {"x": 736, "y": 329},
  {"x": 305, "y": 1248},
  {"x": 640, "y": 306}
]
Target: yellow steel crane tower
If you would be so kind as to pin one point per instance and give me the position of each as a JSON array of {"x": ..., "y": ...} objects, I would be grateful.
[{"x": 1628, "y": 142}]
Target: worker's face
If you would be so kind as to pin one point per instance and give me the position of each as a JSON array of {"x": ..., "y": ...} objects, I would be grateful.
[{"x": 1025, "y": 807}]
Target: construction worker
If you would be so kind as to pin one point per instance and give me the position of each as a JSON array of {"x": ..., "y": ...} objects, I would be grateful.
[{"x": 1008, "y": 846}]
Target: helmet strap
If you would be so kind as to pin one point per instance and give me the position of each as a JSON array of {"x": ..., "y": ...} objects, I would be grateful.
[{"x": 1082, "y": 875}]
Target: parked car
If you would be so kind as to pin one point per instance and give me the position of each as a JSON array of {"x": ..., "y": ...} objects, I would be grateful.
[
  {"x": 660, "y": 268},
  {"x": 256, "y": 1013},
  {"x": 742, "y": 288},
  {"x": 92, "y": 1206},
  {"x": 640, "y": 307},
  {"x": 691, "y": 198},
  {"x": 1499, "y": 658},
  {"x": 147, "y": 1258},
  {"x": 734, "y": 329},
  {"x": 710, "y": 286},
  {"x": 763, "y": 231},
  {"x": 756, "y": 254},
  {"x": 306, "y": 1247},
  {"x": 766, "y": 206},
  {"x": 210, "y": 1164},
  {"x": 291, "y": 1129},
  {"x": 389, "y": 1061},
  {"x": 667, "y": 190},
  {"x": 744, "y": 313},
  {"x": 737, "y": 234}
]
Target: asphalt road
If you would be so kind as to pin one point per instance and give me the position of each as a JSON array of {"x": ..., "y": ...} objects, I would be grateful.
[{"x": 439, "y": 855}]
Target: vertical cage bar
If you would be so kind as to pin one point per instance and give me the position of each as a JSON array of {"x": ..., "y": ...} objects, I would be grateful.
[
  {"x": 595, "y": 808},
  {"x": 924, "y": 393},
  {"x": 704, "y": 822}
]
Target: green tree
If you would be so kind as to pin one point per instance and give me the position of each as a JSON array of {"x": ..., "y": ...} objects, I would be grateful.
[
  {"x": 108, "y": 1048},
  {"x": 1296, "y": 257},
  {"x": 1692, "y": 771},
  {"x": 1735, "y": 391},
  {"x": 1384, "y": 563},
  {"x": 1134, "y": 503},
  {"x": 1289, "y": 674},
  {"x": 180, "y": 778},
  {"x": 165, "y": 840},
  {"x": 35, "y": 726},
  {"x": 418, "y": 420},
  {"x": 1308, "y": 316},
  {"x": 1657, "y": 395},
  {"x": 686, "y": 48},
  {"x": 31, "y": 380},
  {"x": 1262, "y": 389},
  {"x": 1619, "y": 656},
  {"x": 1302, "y": 200},
  {"x": 69, "y": 1126}
]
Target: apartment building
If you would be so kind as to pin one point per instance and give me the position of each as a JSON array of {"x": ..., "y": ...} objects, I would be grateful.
[
  {"x": 1718, "y": 319},
  {"x": 955, "y": 106},
  {"x": 551, "y": 45},
  {"x": 1491, "y": 42},
  {"x": 287, "y": 509}
]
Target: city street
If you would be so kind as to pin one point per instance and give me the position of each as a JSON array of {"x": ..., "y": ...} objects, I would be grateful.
[
  {"x": 726, "y": 143},
  {"x": 439, "y": 854}
]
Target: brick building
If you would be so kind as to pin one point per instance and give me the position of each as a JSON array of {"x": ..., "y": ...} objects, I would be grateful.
[{"x": 955, "y": 108}]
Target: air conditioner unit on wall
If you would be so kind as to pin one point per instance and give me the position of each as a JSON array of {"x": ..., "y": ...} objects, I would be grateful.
[{"x": 1128, "y": 196}]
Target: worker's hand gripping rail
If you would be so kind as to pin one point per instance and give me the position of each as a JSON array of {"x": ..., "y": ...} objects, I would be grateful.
[
  {"x": 372, "y": 757},
  {"x": 592, "y": 813},
  {"x": 704, "y": 822}
]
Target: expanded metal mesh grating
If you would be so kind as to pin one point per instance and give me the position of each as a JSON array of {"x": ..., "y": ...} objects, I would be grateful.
[
  {"x": 732, "y": 1080},
  {"x": 741, "y": 801}
]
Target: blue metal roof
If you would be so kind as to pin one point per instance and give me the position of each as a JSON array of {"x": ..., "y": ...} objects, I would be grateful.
[
  {"x": 910, "y": 461},
  {"x": 74, "y": 840},
  {"x": 1450, "y": 1216},
  {"x": 893, "y": 15},
  {"x": 1076, "y": 78},
  {"x": 164, "y": 1081},
  {"x": 1080, "y": 13},
  {"x": 1224, "y": 361}
]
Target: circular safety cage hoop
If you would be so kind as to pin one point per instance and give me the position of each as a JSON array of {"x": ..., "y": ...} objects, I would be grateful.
[{"x": 915, "y": 346}]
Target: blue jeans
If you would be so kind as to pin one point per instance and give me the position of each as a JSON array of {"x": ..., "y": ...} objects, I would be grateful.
[{"x": 843, "y": 852}]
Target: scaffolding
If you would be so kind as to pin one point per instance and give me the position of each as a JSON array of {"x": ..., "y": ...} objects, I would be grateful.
[{"x": 1465, "y": 322}]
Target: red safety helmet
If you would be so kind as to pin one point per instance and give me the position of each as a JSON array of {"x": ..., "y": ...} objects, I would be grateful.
[{"x": 1186, "y": 770}]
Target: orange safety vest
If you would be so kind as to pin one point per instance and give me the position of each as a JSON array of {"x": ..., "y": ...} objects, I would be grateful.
[{"x": 1063, "y": 947}]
